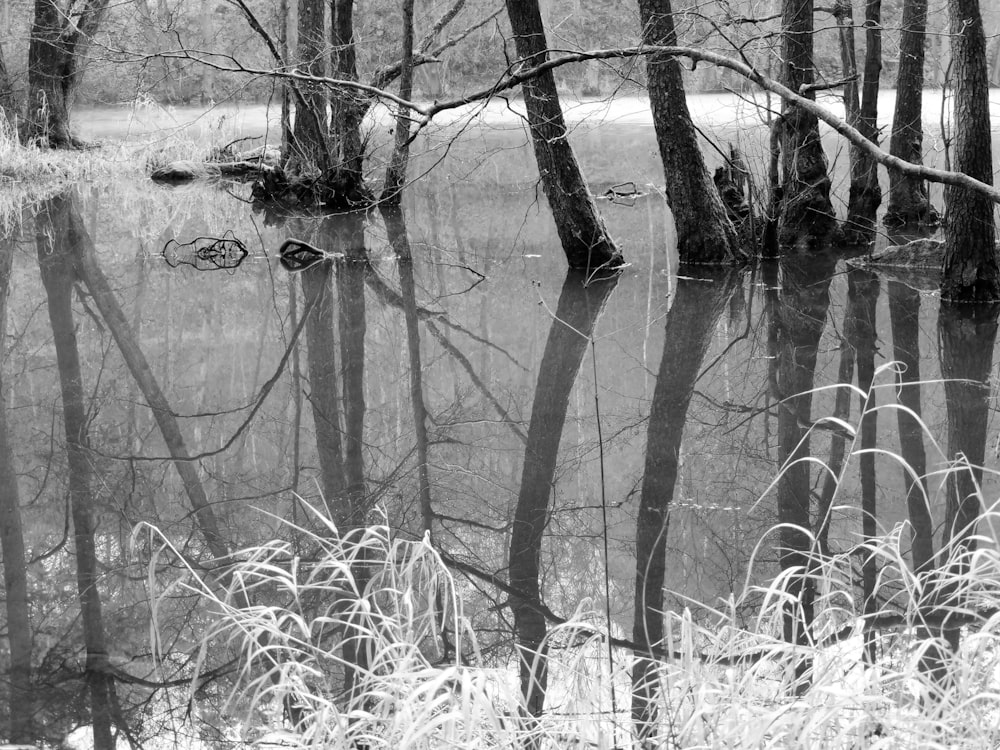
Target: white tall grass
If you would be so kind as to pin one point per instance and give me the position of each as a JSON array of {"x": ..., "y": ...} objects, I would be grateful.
[{"x": 724, "y": 684}]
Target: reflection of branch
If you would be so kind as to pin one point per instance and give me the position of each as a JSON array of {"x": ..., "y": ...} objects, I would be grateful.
[{"x": 467, "y": 366}]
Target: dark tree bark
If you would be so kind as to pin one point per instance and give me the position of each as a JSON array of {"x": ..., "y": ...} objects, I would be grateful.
[
  {"x": 862, "y": 298},
  {"x": 806, "y": 211},
  {"x": 799, "y": 320},
  {"x": 704, "y": 231},
  {"x": 904, "y": 314},
  {"x": 576, "y": 316},
  {"x": 583, "y": 236},
  {"x": 908, "y": 199},
  {"x": 55, "y": 240},
  {"x": 690, "y": 324},
  {"x": 20, "y": 729},
  {"x": 59, "y": 40},
  {"x": 309, "y": 156},
  {"x": 865, "y": 194},
  {"x": 348, "y": 110},
  {"x": 971, "y": 266}
]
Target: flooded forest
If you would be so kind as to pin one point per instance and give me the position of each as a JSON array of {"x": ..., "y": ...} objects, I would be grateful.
[{"x": 455, "y": 374}]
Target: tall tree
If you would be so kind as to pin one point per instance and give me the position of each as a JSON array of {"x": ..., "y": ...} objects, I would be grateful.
[
  {"x": 971, "y": 263},
  {"x": 583, "y": 236},
  {"x": 806, "y": 210},
  {"x": 704, "y": 231},
  {"x": 908, "y": 199},
  {"x": 60, "y": 36}
]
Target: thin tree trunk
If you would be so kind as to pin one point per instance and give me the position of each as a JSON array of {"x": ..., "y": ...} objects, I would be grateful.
[
  {"x": 8, "y": 103},
  {"x": 971, "y": 266},
  {"x": 865, "y": 194},
  {"x": 908, "y": 199},
  {"x": 56, "y": 242},
  {"x": 395, "y": 173},
  {"x": 15, "y": 575},
  {"x": 576, "y": 316},
  {"x": 704, "y": 231},
  {"x": 690, "y": 324},
  {"x": 584, "y": 238}
]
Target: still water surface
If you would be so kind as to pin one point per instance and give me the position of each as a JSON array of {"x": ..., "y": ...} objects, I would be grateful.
[{"x": 521, "y": 407}]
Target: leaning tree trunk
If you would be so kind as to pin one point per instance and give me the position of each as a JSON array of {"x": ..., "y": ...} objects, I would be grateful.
[
  {"x": 704, "y": 231},
  {"x": 690, "y": 324},
  {"x": 576, "y": 316},
  {"x": 971, "y": 268},
  {"x": 865, "y": 194},
  {"x": 584, "y": 238},
  {"x": 908, "y": 200},
  {"x": 806, "y": 210},
  {"x": 55, "y": 250},
  {"x": 15, "y": 574},
  {"x": 55, "y": 61}
]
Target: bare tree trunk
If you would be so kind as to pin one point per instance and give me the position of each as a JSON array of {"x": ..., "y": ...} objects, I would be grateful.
[
  {"x": 56, "y": 243},
  {"x": 865, "y": 194},
  {"x": 704, "y": 231},
  {"x": 349, "y": 109},
  {"x": 55, "y": 62},
  {"x": 690, "y": 324},
  {"x": 308, "y": 158},
  {"x": 395, "y": 173},
  {"x": 971, "y": 266},
  {"x": 576, "y": 316},
  {"x": 15, "y": 576},
  {"x": 908, "y": 199},
  {"x": 583, "y": 236},
  {"x": 806, "y": 211}
]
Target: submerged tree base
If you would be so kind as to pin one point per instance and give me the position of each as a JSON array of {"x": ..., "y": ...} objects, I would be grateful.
[{"x": 337, "y": 189}]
